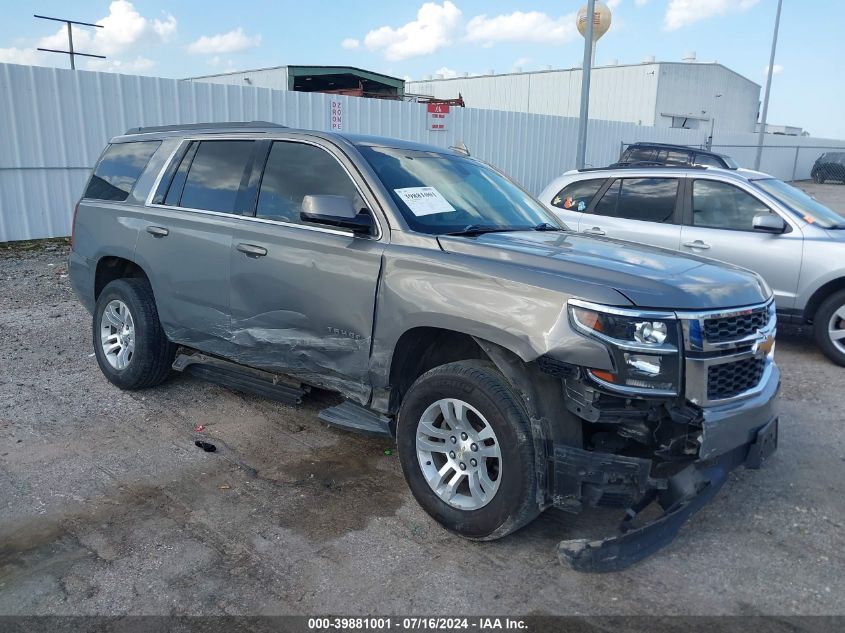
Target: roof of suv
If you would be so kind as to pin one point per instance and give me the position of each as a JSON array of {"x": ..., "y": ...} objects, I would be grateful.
[
  {"x": 683, "y": 148},
  {"x": 265, "y": 127}
]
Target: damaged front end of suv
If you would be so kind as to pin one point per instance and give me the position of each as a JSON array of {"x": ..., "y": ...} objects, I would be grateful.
[{"x": 690, "y": 397}]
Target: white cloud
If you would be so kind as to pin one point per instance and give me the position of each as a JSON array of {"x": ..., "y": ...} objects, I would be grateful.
[
  {"x": 640, "y": 3},
  {"x": 448, "y": 73},
  {"x": 518, "y": 26},
  {"x": 350, "y": 43},
  {"x": 778, "y": 69},
  {"x": 682, "y": 13},
  {"x": 232, "y": 42},
  {"x": 612, "y": 4},
  {"x": 137, "y": 66},
  {"x": 433, "y": 29},
  {"x": 520, "y": 63},
  {"x": 125, "y": 32}
]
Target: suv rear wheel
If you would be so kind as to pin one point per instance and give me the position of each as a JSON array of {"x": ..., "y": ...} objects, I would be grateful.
[
  {"x": 466, "y": 450},
  {"x": 129, "y": 342},
  {"x": 829, "y": 327}
]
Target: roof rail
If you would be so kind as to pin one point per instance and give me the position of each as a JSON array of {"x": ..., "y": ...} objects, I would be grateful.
[
  {"x": 644, "y": 164},
  {"x": 203, "y": 126}
]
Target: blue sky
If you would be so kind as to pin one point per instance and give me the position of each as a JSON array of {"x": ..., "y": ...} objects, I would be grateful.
[{"x": 411, "y": 38}]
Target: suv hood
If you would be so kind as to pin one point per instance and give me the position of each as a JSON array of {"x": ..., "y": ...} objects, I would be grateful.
[{"x": 649, "y": 277}]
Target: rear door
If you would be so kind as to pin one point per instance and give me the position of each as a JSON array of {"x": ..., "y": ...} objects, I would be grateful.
[
  {"x": 718, "y": 224},
  {"x": 303, "y": 295},
  {"x": 646, "y": 210},
  {"x": 571, "y": 202},
  {"x": 185, "y": 241}
]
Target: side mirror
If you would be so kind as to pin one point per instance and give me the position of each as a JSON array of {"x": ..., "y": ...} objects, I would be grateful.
[
  {"x": 337, "y": 211},
  {"x": 768, "y": 223}
]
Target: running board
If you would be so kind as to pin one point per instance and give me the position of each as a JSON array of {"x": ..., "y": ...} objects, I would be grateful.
[
  {"x": 353, "y": 417},
  {"x": 240, "y": 378}
]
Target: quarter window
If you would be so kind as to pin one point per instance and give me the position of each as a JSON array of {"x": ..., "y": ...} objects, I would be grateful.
[
  {"x": 215, "y": 175},
  {"x": 296, "y": 170},
  {"x": 119, "y": 170},
  {"x": 644, "y": 199},
  {"x": 720, "y": 205},
  {"x": 577, "y": 195}
]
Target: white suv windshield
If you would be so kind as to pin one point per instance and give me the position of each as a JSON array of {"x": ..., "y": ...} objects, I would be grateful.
[{"x": 810, "y": 209}]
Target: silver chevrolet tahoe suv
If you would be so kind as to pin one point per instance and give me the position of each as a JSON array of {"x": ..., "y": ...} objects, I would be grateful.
[
  {"x": 519, "y": 365},
  {"x": 744, "y": 217}
]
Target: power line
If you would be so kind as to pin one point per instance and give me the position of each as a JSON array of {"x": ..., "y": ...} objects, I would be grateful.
[{"x": 70, "y": 50}]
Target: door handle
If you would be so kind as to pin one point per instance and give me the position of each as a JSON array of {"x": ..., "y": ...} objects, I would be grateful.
[
  {"x": 697, "y": 244},
  {"x": 158, "y": 231},
  {"x": 594, "y": 231},
  {"x": 251, "y": 250}
]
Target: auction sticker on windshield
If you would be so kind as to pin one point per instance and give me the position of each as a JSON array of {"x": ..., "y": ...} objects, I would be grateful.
[{"x": 424, "y": 200}]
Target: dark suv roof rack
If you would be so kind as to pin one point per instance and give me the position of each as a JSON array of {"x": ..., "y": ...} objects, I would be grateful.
[
  {"x": 643, "y": 164},
  {"x": 203, "y": 126}
]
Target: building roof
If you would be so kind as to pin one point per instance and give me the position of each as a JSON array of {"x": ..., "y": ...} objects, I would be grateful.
[{"x": 315, "y": 70}]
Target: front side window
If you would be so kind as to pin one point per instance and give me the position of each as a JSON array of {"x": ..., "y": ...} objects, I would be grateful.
[
  {"x": 704, "y": 160},
  {"x": 643, "y": 199},
  {"x": 119, "y": 170},
  {"x": 215, "y": 175},
  {"x": 442, "y": 193},
  {"x": 577, "y": 195},
  {"x": 296, "y": 170},
  {"x": 720, "y": 205}
]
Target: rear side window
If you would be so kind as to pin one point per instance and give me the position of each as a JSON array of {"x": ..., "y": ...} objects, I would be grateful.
[
  {"x": 215, "y": 175},
  {"x": 640, "y": 154},
  {"x": 644, "y": 199},
  {"x": 296, "y": 170},
  {"x": 119, "y": 170},
  {"x": 577, "y": 195},
  {"x": 674, "y": 157}
]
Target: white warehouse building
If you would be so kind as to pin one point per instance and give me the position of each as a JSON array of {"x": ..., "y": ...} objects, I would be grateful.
[{"x": 684, "y": 94}]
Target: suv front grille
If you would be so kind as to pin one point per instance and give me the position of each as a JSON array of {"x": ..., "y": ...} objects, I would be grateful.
[
  {"x": 731, "y": 328},
  {"x": 731, "y": 379}
]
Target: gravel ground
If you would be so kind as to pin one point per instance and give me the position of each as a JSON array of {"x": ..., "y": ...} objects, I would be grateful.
[{"x": 107, "y": 507}]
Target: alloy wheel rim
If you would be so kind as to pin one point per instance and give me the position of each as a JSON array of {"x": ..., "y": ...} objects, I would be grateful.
[
  {"x": 836, "y": 329},
  {"x": 117, "y": 334},
  {"x": 459, "y": 454}
]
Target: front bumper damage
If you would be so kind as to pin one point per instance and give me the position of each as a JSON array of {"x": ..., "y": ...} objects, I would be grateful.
[{"x": 742, "y": 433}]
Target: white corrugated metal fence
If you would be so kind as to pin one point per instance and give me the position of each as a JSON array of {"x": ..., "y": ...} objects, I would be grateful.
[{"x": 54, "y": 123}]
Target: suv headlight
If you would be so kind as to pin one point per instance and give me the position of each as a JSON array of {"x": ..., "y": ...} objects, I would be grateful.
[{"x": 644, "y": 347}]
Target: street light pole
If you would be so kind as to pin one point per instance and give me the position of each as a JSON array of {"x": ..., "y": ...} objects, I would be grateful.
[
  {"x": 765, "y": 115},
  {"x": 585, "y": 86}
]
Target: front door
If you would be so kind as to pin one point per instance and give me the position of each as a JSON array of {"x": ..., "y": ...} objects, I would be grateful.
[
  {"x": 719, "y": 225},
  {"x": 303, "y": 296}
]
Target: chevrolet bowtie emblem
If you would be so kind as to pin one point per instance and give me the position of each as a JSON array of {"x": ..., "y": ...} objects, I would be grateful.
[{"x": 764, "y": 345}]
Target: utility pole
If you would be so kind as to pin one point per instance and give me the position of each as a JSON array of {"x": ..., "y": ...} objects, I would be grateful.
[
  {"x": 586, "y": 66},
  {"x": 768, "y": 90},
  {"x": 70, "y": 50}
]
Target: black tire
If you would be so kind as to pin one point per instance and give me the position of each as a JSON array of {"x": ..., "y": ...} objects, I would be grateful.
[
  {"x": 821, "y": 325},
  {"x": 153, "y": 355},
  {"x": 479, "y": 384}
]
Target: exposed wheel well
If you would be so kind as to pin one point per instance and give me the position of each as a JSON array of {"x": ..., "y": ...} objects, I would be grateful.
[
  {"x": 424, "y": 348},
  {"x": 820, "y": 295},
  {"x": 111, "y": 268}
]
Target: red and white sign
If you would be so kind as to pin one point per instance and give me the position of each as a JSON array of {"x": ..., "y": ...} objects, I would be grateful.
[
  {"x": 438, "y": 114},
  {"x": 336, "y": 116}
]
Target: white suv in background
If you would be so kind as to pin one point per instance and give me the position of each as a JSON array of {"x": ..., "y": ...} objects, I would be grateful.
[{"x": 743, "y": 217}]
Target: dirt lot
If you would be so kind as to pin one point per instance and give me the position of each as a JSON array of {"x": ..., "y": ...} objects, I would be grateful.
[{"x": 107, "y": 507}]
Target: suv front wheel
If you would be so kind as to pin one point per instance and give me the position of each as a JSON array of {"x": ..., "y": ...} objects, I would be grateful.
[
  {"x": 466, "y": 450},
  {"x": 829, "y": 327},
  {"x": 129, "y": 342}
]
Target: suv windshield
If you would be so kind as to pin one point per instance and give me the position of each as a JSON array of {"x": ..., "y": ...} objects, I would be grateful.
[
  {"x": 803, "y": 205},
  {"x": 442, "y": 193}
]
